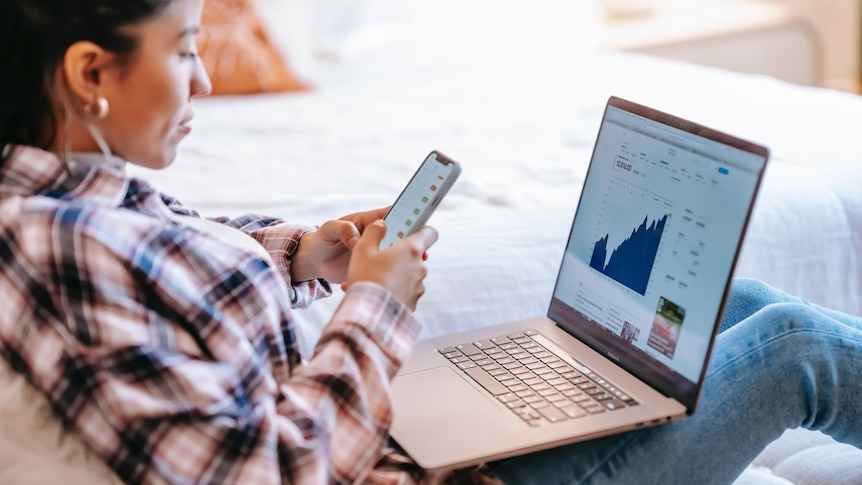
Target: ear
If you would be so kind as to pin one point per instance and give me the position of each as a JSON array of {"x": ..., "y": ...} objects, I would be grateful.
[{"x": 83, "y": 66}]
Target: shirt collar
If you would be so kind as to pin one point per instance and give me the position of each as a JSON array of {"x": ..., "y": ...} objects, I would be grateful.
[{"x": 85, "y": 176}]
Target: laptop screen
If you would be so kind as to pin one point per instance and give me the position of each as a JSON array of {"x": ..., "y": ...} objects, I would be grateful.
[{"x": 653, "y": 244}]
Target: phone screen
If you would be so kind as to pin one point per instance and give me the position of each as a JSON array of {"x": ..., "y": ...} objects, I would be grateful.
[{"x": 419, "y": 198}]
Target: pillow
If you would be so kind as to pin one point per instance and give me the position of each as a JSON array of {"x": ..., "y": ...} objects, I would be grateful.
[
  {"x": 35, "y": 447},
  {"x": 238, "y": 55}
]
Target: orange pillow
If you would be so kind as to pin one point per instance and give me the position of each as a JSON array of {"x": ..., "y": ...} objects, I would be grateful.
[{"x": 237, "y": 54}]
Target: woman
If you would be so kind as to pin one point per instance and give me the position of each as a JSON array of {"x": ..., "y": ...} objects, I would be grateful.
[{"x": 166, "y": 340}]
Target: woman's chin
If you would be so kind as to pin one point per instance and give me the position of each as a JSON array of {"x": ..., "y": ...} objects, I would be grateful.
[{"x": 156, "y": 161}]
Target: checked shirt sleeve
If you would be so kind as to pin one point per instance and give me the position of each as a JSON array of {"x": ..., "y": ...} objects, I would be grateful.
[
  {"x": 165, "y": 351},
  {"x": 280, "y": 239}
]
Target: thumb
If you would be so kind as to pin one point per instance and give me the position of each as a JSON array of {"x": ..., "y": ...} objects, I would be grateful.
[{"x": 371, "y": 237}]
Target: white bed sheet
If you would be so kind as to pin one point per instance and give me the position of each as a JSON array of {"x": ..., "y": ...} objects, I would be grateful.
[{"x": 522, "y": 122}]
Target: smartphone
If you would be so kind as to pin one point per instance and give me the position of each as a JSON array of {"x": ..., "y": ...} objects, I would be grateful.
[{"x": 420, "y": 197}]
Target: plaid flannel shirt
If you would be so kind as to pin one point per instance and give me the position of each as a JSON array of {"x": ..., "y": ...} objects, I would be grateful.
[{"x": 172, "y": 354}]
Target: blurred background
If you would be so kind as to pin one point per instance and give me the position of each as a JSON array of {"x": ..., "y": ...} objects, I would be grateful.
[{"x": 807, "y": 42}]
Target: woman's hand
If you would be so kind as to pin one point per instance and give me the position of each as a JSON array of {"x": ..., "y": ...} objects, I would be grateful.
[
  {"x": 325, "y": 253},
  {"x": 400, "y": 268}
]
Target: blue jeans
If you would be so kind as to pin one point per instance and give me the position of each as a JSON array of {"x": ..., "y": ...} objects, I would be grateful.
[{"x": 780, "y": 362}]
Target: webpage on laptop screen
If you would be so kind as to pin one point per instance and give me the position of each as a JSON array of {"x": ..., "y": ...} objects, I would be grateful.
[{"x": 654, "y": 238}]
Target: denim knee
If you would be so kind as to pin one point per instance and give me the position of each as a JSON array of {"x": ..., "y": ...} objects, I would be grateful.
[{"x": 747, "y": 296}]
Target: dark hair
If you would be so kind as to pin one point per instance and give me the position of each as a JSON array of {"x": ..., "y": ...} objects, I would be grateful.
[{"x": 34, "y": 37}]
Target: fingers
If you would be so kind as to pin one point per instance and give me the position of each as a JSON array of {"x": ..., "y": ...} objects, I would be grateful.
[
  {"x": 361, "y": 219},
  {"x": 371, "y": 237},
  {"x": 424, "y": 239},
  {"x": 342, "y": 231}
]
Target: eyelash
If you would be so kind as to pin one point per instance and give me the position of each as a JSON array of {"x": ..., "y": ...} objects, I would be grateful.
[{"x": 189, "y": 55}]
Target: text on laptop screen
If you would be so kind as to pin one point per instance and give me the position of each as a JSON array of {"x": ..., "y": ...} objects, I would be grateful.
[{"x": 653, "y": 242}]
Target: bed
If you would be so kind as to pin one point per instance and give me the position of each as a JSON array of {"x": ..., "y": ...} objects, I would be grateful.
[{"x": 521, "y": 115}]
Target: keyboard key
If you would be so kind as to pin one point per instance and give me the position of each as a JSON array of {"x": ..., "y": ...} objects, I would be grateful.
[
  {"x": 501, "y": 340},
  {"x": 484, "y": 344},
  {"x": 573, "y": 412},
  {"x": 447, "y": 350},
  {"x": 489, "y": 383},
  {"x": 552, "y": 414},
  {"x": 613, "y": 405},
  {"x": 468, "y": 349},
  {"x": 539, "y": 404},
  {"x": 595, "y": 409}
]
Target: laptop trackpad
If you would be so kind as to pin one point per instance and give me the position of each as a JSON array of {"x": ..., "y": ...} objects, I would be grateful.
[{"x": 429, "y": 396}]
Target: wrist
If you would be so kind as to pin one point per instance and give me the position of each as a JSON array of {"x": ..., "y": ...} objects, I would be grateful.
[{"x": 302, "y": 263}]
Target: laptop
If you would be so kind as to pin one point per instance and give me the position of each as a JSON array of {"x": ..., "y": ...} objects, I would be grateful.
[{"x": 635, "y": 310}]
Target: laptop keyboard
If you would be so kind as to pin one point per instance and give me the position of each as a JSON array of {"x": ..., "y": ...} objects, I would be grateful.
[{"x": 536, "y": 384}]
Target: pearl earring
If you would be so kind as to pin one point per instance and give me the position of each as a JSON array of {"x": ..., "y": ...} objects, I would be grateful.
[{"x": 99, "y": 109}]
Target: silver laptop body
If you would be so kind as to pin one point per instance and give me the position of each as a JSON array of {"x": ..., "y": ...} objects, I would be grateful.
[{"x": 635, "y": 310}]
